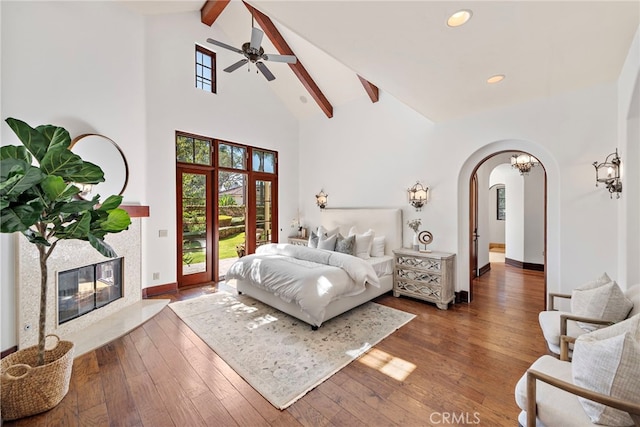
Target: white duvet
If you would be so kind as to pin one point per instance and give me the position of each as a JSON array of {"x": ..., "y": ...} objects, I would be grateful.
[{"x": 312, "y": 278}]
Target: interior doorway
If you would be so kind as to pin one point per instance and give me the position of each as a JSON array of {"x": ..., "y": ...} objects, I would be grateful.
[{"x": 525, "y": 213}]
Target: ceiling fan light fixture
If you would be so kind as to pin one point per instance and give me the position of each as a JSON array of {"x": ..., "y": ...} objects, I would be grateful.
[
  {"x": 495, "y": 79},
  {"x": 459, "y": 18}
]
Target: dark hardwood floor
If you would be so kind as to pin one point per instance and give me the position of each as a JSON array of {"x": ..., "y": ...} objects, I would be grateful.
[{"x": 467, "y": 361}]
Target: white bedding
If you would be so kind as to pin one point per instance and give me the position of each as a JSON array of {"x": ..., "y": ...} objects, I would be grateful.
[
  {"x": 382, "y": 265},
  {"x": 313, "y": 278}
]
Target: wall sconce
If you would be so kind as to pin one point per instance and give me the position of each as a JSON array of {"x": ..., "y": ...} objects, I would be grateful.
[
  {"x": 608, "y": 172},
  {"x": 418, "y": 195},
  {"x": 321, "y": 199},
  {"x": 523, "y": 162}
]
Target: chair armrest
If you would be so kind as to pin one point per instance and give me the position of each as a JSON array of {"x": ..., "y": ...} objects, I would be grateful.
[
  {"x": 565, "y": 317},
  {"x": 532, "y": 375},
  {"x": 552, "y": 296},
  {"x": 565, "y": 340}
]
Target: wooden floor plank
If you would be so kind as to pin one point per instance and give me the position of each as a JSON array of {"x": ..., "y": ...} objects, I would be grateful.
[{"x": 463, "y": 361}]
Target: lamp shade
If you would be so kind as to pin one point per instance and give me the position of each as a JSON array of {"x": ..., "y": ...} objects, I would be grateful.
[{"x": 418, "y": 195}]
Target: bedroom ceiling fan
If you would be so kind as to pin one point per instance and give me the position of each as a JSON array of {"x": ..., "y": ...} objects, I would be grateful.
[{"x": 254, "y": 54}]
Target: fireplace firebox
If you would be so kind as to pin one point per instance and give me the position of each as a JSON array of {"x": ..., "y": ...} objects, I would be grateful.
[{"x": 84, "y": 289}]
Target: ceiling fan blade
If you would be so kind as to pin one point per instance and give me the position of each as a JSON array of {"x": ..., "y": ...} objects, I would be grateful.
[
  {"x": 235, "y": 66},
  {"x": 289, "y": 59},
  {"x": 263, "y": 68},
  {"x": 224, "y": 45},
  {"x": 256, "y": 38}
]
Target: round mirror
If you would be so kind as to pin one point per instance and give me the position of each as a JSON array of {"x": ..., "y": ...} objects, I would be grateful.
[{"x": 104, "y": 152}]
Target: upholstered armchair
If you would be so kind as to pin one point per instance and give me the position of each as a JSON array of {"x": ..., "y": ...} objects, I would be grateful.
[
  {"x": 601, "y": 386},
  {"x": 594, "y": 305}
]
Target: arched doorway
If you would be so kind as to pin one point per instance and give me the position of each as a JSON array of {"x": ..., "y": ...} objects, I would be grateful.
[{"x": 470, "y": 230}]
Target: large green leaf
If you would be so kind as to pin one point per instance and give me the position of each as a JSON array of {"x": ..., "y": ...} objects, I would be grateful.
[
  {"x": 87, "y": 174},
  {"x": 78, "y": 229},
  {"x": 35, "y": 142},
  {"x": 117, "y": 221},
  {"x": 15, "y": 152},
  {"x": 31, "y": 177},
  {"x": 11, "y": 166},
  {"x": 77, "y": 206},
  {"x": 62, "y": 162},
  {"x": 18, "y": 218},
  {"x": 101, "y": 246},
  {"x": 4, "y": 203},
  {"x": 112, "y": 202},
  {"x": 56, "y": 136},
  {"x": 53, "y": 186}
]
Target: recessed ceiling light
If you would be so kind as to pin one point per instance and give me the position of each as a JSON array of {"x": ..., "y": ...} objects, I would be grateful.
[
  {"x": 459, "y": 18},
  {"x": 495, "y": 79}
]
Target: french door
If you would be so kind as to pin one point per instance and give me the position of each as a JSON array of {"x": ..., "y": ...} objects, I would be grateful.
[
  {"x": 195, "y": 221},
  {"x": 226, "y": 205}
]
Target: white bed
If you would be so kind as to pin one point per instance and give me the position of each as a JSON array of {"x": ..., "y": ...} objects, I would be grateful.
[{"x": 385, "y": 222}]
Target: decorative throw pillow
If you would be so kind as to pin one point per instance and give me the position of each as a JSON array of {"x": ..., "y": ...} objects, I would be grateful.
[
  {"x": 377, "y": 248},
  {"x": 364, "y": 242},
  {"x": 608, "y": 361},
  {"x": 313, "y": 240},
  {"x": 328, "y": 243},
  {"x": 346, "y": 245},
  {"x": 322, "y": 231},
  {"x": 606, "y": 302}
]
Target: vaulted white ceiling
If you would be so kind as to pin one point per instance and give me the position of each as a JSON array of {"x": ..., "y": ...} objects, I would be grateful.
[{"x": 407, "y": 50}]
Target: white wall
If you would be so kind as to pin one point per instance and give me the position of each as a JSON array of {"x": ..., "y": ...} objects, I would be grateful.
[
  {"x": 629, "y": 149},
  {"x": 514, "y": 236},
  {"x": 244, "y": 110},
  {"x": 368, "y": 154},
  {"x": 533, "y": 224},
  {"x": 99, "y": 67},
  {"x": 92, "y": 83}
]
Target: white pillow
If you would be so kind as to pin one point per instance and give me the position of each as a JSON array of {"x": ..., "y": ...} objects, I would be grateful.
[
  {"x": 364, "y": 242},
  {"x": 313, "y": 240},
  {"x": 322, "y": 231},
  {"x": 608, "y": 361},
  {"x": 328, "y": 243},
  {"x": 377, "y": 247},
  {"x": 606, "y": 302}
]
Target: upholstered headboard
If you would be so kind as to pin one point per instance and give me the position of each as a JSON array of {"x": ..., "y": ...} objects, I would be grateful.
[{"x": 385, "y": 222}]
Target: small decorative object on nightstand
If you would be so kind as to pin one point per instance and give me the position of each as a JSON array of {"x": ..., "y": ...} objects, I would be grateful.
[
  {"x": 298, "y": 241},
  {"x": 426, "y": 276}
]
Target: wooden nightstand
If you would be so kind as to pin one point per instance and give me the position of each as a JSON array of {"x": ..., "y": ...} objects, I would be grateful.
[
  {"x": 428, "y": 276},
  {"x": 298, "y": 241}
]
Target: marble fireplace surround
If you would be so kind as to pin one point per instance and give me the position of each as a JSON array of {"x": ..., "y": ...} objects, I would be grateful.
[{"x": 98, "y": 326}]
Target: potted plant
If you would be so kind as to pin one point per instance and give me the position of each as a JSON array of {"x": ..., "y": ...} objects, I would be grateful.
[{"x": 42, "y": 203}]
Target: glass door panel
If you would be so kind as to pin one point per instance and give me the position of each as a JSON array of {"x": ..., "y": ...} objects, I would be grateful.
[
  {"x": 232, "y": 219},
  {"x": 264, "y": 212},
  {"x": 195, "y": 219}
]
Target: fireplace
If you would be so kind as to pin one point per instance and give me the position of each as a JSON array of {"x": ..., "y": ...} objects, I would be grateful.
[{"x": 84, "y": 289}]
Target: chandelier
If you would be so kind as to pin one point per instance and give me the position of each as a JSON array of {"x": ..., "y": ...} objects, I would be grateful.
[{"x": 523, "y": 162}]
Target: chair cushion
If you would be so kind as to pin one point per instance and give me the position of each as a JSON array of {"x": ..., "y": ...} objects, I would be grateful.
[
  {"x": 606, "y": 302},
  {"x": 550, "y": 325},
  {"x": 555, "y": 407},
  {"x": 608, "y": 361}
]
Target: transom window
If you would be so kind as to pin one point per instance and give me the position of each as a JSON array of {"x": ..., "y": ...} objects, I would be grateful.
[
  {"x": 264, "y": 161},
  {"x": 205, "y": 69},
  {"x": 232, "y": 156},
  {"x": 193, "y": 150}
]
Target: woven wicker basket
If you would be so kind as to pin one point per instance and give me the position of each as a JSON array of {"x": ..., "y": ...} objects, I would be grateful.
[{"x": 28, "y": 389}]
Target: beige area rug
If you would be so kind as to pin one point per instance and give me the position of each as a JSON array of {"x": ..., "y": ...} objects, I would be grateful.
[{"x": 280, "y": 356}]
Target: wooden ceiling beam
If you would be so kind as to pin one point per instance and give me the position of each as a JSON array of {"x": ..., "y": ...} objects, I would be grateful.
[
  {"x": 370, "y": 88},
  {"x": 298, "y": 69},
  {"x": 211, "y": 10}
]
